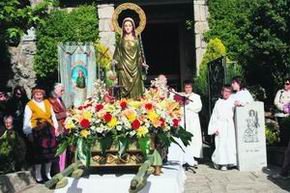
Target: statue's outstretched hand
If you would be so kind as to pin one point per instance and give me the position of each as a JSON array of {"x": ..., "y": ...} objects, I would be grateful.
[{"x": 114, "y": 64}]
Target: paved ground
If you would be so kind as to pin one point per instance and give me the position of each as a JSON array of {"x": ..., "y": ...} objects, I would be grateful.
[{"x": 209, "y": 180}]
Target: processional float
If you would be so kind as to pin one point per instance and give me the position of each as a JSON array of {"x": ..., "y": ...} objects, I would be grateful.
[{"x": 105, "y": 132}]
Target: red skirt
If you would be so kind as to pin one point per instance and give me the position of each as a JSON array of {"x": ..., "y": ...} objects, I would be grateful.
[{"x": 44, "y": 145}]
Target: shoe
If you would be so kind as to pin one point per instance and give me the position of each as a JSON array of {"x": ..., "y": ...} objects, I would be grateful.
[
  {"x": 279, "y": 176},
  {"x": 216, "y": 166},
  {"x": 232, "y": 166},
  {"x": 224, "y": 168},
  {"x": 186, "y": 165},
  {"x": 40, "y": 181}
]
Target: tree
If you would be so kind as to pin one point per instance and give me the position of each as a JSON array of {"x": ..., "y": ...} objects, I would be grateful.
[
  {"x": 266, "y": 51},
  {"x": 256, "y": 35},
  {"x": 17, "y": 16},
  {"x": 215, "y": 49}
]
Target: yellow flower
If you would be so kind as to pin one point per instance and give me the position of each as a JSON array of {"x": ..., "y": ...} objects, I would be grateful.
[
  {"x": 69, "y": 124},
  {"x": 84, "y": 133},
  {"x": 87, "y": 115},
  {"x": 130, "y": 114},
  {"x": 154, "y": 118},
  {"x": 152, "y": 115},
  {"x": 142, "y": 131},
  {"x": 135, "y": 104},
  {"x": 113, "y": 123}
]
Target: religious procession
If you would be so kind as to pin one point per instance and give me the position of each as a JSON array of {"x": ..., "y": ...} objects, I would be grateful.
[{"x": 144, "y": 97}]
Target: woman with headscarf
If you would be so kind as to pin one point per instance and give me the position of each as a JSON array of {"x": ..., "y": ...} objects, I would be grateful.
[{"x": 128, "y": 61}]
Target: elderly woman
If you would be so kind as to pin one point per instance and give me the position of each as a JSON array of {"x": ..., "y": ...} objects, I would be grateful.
[
  {"x": 12, "y": 147},
  {"x": 61, "y": 114},
  {"x": 39, "y": 126}
]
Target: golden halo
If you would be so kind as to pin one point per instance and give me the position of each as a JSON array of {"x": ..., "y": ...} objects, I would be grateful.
[{"x": 133, "y": 7}]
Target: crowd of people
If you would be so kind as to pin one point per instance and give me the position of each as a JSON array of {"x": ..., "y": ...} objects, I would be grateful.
[{"x": 30, "y": 128}]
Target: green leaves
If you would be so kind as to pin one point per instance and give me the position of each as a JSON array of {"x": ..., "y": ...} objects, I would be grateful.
[
  {"x": 123, "y": 144},
  {"x": 144, "y": 145},
  {"x": 106, "y": 142},
  {"x": 84, "y": 151}
]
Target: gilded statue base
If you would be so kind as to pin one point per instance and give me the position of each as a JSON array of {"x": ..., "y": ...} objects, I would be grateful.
[{"x": 131, "y": 157}]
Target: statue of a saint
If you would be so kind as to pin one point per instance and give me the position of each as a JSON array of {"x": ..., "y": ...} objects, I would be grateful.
[{"x": 128, "y": 61}]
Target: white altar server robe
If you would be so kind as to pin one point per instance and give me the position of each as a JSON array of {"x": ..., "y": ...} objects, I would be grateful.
[
  {"x": 243, "y": 96},
  {"x": 225, "y": 142},
  {"x": 193, "y": 126}
]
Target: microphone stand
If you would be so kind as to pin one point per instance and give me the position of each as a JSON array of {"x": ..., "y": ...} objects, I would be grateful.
[{"x": 186, "y": 166}]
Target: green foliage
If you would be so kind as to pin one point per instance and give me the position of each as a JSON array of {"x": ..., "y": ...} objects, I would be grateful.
[
  {"x": 17, "y": 16},
  {"x": 233, "y": 69},
  {"x": 256, "y": 35},
  {"x": 79, "y": 25},
  {"x": 272, "y": 133},
  {"x": 215, "y": 49}
]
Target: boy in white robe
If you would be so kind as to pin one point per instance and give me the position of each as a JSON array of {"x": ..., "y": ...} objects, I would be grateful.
[
  {"x": 222, "y": 126},
  {"x": 192, "y": 124}
]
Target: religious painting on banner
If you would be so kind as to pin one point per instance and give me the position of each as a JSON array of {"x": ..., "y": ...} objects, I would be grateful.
[{"x": 77, "y": 70}]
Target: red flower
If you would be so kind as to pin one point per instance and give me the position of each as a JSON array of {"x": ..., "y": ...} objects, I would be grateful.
[
  {"x": 123, "y": 104},
  {"x": 99, "y": 107},
  {"x": 162, "y": 121},
  {"x": 148, "y": 106},
  {"x": 175, "y": 122},
  {"x": 80, "y": 108},
  {"x": 136, "y": 124},
  {"x": 107, "y": 117},
  {"x": 85, "y": 123}
]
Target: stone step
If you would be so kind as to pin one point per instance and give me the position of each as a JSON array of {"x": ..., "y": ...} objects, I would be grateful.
[{"x": 16, "y": 182}]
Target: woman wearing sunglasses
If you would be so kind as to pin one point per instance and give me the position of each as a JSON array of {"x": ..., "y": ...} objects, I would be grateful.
[{"x": 282, "y": 102}]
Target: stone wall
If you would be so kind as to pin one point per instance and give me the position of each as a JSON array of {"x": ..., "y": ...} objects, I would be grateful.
[
  {"x": 22, "y": 58},
  {"x": 200, "y": 27},
  {"x": 106, "y": 33}
]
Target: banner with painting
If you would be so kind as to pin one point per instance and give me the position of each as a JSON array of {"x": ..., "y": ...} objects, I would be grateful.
[{"x": 77, "y": 71}]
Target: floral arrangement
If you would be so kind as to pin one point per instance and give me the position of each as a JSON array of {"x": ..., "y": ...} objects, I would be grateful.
[{"x": 104, "y": 119}]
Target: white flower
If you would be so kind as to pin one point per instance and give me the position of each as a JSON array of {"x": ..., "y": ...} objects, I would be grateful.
[
  {"x": 132, "y": 133},
  {"x": 119, "y": 127}
]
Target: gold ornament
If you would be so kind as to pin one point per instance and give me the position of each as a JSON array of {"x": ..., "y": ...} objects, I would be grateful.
[{"x": 133, "y": 7}]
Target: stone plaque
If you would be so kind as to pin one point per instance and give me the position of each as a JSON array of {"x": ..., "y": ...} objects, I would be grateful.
[{"x": 250, "y": 137}]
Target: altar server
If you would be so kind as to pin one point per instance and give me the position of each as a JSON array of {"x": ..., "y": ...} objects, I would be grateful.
[
  {"x": 222, "y": 126},
  {"x": 190, "y": 121},
  {"x": 241, "y": 96},
  {"x": 39, "y": 126}
]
